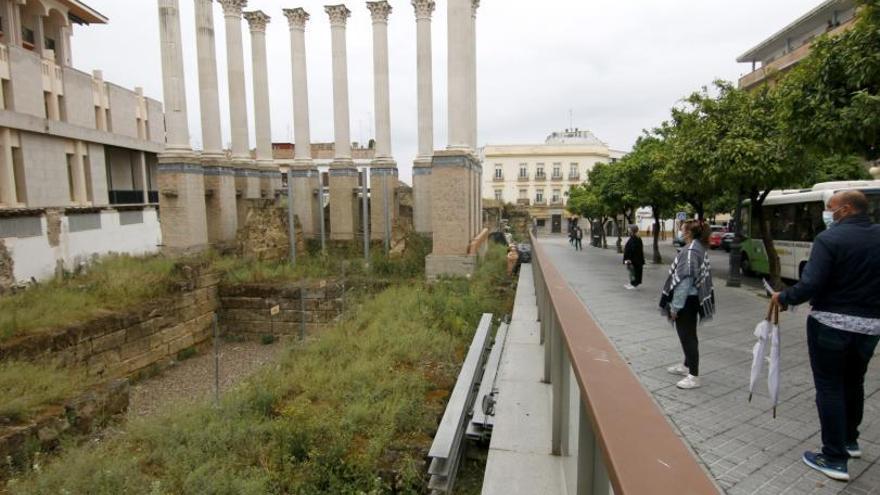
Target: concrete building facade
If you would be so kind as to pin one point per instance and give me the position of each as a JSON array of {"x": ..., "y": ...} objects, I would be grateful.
[
  {"x": 78, "y": 154},
  {"x": 539, "y": 176}
]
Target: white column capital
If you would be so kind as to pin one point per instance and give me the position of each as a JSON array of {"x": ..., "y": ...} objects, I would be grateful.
[
  {"x": 233, "y": 8},
  {"x": 379, "y": 10},
  {"x": 424, "y": 8},
  {"x": 257, "y": 20},
  {"x": 339, "y": 14},
  {"x": 297, "y": 18}
]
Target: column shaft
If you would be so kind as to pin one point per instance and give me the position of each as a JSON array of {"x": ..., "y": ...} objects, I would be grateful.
[
  {"x": 209, "y": 96},
  {"x": 459, "y": 14},
  {"x": 237, "y": 94},
  {"x": 381, "y": 91},
  {"x": 472, "y": 74},
  {"x": 301, "y": 126},
  {"x": 8, "y": 194},
  {"x": 343, "y": 175},
  {"x": 174, "y": 90},
  {"x": 262, "y": 113},
  {"x": 341, "y": 118},
  {"x": 425, "y": 86}
]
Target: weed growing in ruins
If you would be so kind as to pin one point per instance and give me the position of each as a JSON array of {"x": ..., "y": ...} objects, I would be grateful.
[
  {"x": 112, "y": 284},
  {"x": 350, "y": 412},
  {"x": 27, "y": 388}
]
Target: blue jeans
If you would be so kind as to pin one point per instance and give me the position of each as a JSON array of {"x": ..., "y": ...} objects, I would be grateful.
[{"x": 839, "y": 361}]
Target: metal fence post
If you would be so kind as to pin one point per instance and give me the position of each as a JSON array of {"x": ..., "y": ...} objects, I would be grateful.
[
  {"x": 216, "y": 362},
  {"x": 366, "y": 205},
  {"x": 385, "y": 176},
  {"x": 555, "y": 365},
  {"x": 321, "y": 212}
]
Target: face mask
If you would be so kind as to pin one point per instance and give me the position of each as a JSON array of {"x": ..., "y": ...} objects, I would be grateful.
[{"x": 828, "y": 217}]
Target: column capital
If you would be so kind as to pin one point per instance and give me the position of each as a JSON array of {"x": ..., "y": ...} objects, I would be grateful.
[
  {"x": 379, "y": 10},
  {"x": 424, "y": 8},
  {"x": 296, "y": 18},
  {"x": 257, "y": 20},
  {"x": 339, "y": 14},
  {"x": 233, "y": 8},
  {"x": 475, "y": 4}
]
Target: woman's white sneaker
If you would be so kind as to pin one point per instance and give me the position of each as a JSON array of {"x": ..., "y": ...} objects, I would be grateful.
[
  {"x": 678, "y": 369},
  {"x": 689, "y": 382}
]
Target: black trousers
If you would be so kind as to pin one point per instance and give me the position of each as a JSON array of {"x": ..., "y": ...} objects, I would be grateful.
[
  {"x": 686, "y": 325},
  {"x": 636, "y": 274},
  {"x": 577, "y": 244},
  {"x": 839, "y": 360}
]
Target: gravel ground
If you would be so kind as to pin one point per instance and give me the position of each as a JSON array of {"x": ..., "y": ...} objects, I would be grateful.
[{"x": 192, "y": 380}]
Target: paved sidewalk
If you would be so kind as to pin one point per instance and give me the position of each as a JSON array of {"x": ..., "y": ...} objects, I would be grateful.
[{"x": 746, "y": 450}]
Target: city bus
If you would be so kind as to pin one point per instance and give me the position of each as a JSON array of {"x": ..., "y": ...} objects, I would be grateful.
[{"x": 795, "y": 218}]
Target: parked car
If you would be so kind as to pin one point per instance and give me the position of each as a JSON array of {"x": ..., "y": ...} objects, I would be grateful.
[
  {"x": 718, "y": 232},
  {"x": 727, "y": 241}
]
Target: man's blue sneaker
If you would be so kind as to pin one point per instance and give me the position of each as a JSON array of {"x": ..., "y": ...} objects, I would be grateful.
[
  {"x": 835, "y": 470},
  {"x": 854, "y": 450}
]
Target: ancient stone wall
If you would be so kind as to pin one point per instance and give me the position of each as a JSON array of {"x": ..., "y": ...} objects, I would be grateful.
[
  {"x": 264, "y": 235},
  {"x": 120, "y": 345},
  {"x": 7, "y": 275},
  {"x": 246, "y": 310}
]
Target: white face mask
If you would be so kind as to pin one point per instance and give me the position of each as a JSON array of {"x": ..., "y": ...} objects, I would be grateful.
[{"x": 828, "y": 217}]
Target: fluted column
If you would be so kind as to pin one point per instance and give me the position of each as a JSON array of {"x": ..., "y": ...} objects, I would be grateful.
[
  {"x": 262, "y": 116},
  {"x": 303, "y": 174},
  {"x": 173, "y": 85},
  {"x": 181, "y": 179},
  {"x": 343, "y": 175},
  {"x": 472, "y": 73},
  {"x": 422, "y": 164},
  {"x": 235, "y": 66},
  {"x": 209, "y": 96},
  {"x": 339, "y": 15}
]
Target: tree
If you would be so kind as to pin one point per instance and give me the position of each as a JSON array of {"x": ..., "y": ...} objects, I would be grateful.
[
  {"x": 644, "y": 168},
  {"x": 614, "y": 194},
  {"x": 690, "y": 142},
  {"x": 583, "y": 201}
]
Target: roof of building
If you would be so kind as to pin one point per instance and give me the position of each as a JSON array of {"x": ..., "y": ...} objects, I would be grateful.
[
  {"x": 799, "y": 27},
  {"x": 81, "y": 13},
  {"x": 574, "y": 136}
]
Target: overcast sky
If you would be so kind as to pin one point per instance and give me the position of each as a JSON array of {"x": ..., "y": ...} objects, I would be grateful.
[{"x": 616, "y": 65}]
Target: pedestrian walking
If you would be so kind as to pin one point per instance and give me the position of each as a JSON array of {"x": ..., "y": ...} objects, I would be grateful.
[
  {"x": 688, "y": 298},
  {"x": 634, "y": 258},
  {"x": 842, "y": 283},
  {"x": 578, "y": 238}
]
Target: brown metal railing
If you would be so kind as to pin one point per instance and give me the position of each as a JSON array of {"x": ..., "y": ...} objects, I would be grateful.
[{"x": 614, "y": 437}]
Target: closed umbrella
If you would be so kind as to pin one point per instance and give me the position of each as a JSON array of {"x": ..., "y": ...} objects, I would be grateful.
[{"x": 767, "y": 331}]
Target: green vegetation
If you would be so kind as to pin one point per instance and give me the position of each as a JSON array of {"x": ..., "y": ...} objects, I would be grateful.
[
  {"x": 114, "y": 283},
  {"x": 724, "y": 145},
  {"x": 352, "y": 412},
  {"x": 27, "y": 389}
]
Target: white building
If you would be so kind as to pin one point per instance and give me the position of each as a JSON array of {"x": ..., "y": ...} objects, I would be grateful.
[
  {"x": 77, "y": 153},
  {"x": 540, "y": 175}
]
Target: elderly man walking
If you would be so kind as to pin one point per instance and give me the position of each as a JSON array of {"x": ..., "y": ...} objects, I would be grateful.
[{"x": 842, "y": 283}]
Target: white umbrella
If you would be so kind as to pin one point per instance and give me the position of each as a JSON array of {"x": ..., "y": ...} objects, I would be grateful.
[{"x": 767, "y": 330}]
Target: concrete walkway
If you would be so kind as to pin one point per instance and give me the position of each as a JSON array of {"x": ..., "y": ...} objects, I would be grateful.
[
  {"x": 745, "y": 449},
  {"x": 519, "y": 459}
]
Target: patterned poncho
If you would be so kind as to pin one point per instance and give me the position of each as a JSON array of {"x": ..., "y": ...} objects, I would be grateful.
[{"x": 692, "y": 261}]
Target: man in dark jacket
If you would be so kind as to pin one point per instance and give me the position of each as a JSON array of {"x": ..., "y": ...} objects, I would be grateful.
[
  {"x": 842, "y": 283},
  {"x": 634, "y": 257}
]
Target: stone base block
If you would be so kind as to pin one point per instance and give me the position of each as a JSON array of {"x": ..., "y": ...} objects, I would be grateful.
[
  {"x": 305, "y": 200},
  {"x": 437, "y": 266},
  {"x": 343, "y": 204},
  {"x": 422, "y": 197},
  {"x": 182, "y": 202},
  {"x": 453, "y": 201},
  {"x": 220, "y": 204},
  {"x": 383, "y": 179}
]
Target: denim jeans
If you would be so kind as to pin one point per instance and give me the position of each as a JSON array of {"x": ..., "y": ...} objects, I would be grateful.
[{"x": 839, "y": 360}]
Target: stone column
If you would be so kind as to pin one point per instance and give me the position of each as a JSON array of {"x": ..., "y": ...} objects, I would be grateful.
[
  {"x": 422, "y": 164},
  {"x": 8, "y": 193},
  {"x": 262, "y": 114},
  {"x": 383, "y": 173},
  {"x": 303, "y": 173},
  {"x": 181, "y": 183},
  {"x": 453, "y": 170},
  {"x": 222, "y": 217},
  {"x": 237, "y": 95},
  {"x": 343, "y": 175}
]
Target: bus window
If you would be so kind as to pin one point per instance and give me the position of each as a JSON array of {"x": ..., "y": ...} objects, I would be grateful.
[
  {"x": 809, "y": 221},
  {"x": 782, "y": 222},
  {"x": 874, "y": 207}
]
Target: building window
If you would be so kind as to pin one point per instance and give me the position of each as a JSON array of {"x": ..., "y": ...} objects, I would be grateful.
[
  {"x": 499, "y": 172},
  {"x": 573, "y": 170},
  {"x": 70, "y": 179},
  {"x": 523, "y": 170},
  {"x": 539, "y": 196},
  {"x": 556, "y": 196},
  {"x": 539, "y": 172},
  {"x": 523, "y": 194},
  {"x": 557, "y": 170},
  {"x": 498, "y": 194}
]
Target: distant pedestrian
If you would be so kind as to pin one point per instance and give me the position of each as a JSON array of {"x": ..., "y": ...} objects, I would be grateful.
[
  {"x": 634, "y": 258},
  {"x": 842, "y": 283},
  {"x": 578, "y": 238},
  {"x": 689, "y": 298}
]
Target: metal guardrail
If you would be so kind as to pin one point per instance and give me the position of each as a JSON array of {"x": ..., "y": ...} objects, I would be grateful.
[{"x": 614, "y": 436}]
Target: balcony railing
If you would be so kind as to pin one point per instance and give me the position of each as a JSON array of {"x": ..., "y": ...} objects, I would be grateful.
[
  {"x": 598, "y": 405},
  {"x": 522, "y": 202},
  {"x": 540, "y": 177},
  {"x": 574, "y": 176},
  {"x": 497, "y": 178},
  {"x": 556, "y": 177},
  {"x": 522, "y": 178},
  {"x": 540, "y": 201},
  {"x": 135, "y": 197}
]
